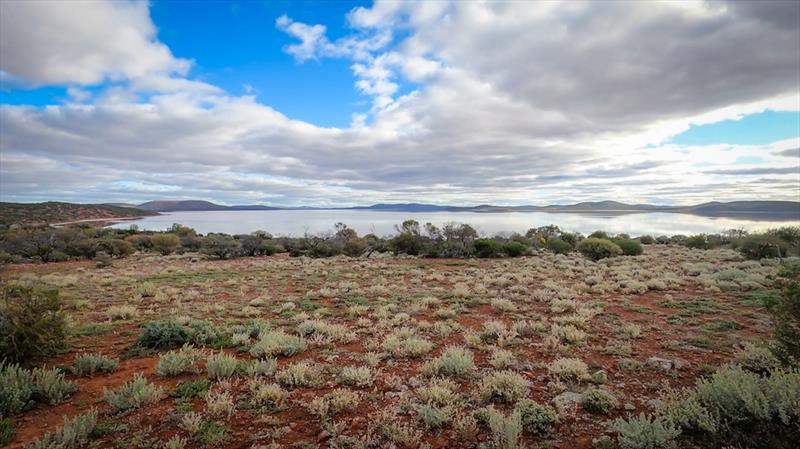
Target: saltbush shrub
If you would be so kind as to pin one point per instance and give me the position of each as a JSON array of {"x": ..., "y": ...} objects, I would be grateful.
[
  {"x": 221, "y": 365},
  {"x": 163, "y": 335},
  {"x": 629, "y": 247},
  {"x": 598, "y": 400},
  {"x": 73, "y": 434},
  {"x": 133, "y": 394},
  {"x": 278, "y": 342},
  {"x": 301, "y": 374},
  {"x": 536, "y": 419},
  {"x": 89, "y": 364},
  {"x": 455, "y": 361},
  {"x": 16, "y": 389},
  {"x": 178, "y": 362},
  {"x": 32, "y": 323},
  {"x": 20, "y": 388},
  {"x": 506, "y": 386},
  {"x": 596, "y": 249},
  {"x": 644, "y": 433}
]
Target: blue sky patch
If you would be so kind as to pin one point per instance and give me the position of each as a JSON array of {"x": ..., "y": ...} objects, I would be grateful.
[{"x": 754, "y": 129}]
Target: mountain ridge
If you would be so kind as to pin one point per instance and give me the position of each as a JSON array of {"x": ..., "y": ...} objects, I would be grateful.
[{"x": 712, "y": 208}]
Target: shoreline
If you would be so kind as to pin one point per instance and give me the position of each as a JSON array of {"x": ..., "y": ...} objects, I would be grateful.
[{"x": 103, "y": 221}]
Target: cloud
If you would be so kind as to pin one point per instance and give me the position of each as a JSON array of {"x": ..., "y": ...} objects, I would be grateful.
[
  {"x": 578, "y": 110},
  {"x": 758, "y": 171},
  {"x": 86, "y": 43},
  {"x": 791, "y": 152}
]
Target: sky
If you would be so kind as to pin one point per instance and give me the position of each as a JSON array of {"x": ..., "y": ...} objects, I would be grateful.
[{"x": 326, "y": 103}]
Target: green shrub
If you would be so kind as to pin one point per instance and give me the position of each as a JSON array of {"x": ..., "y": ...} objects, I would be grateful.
[
  {"x": 598, "y": 400},
  {"x": 643, "y": 433},
  {"x": 514, "y": 248},
  {"x": 558, "y": 246},
  {"x": 647, "y": 240},
  {"x": 758, "y": 247},
  {"x": 165, "y": 243},
  {"x": 31, "y": 323},
  {"x": 599, "y": 235},
  {"x": 536, "y": 419},
  {"x": 629, "y": 247},
  {"x": 354, "y": 247},
  {"x": 738, "y": 407},
  {"x": 73, "y": 434},
  {"x": 221, "y": 246},
  {"x": 133, "y": 394},
  {"x": 757, "y": 358},
  {"x": 701, "y": 241},
  {"x": 163, "y": 335},
  {"x": 191, "y": 388},
  {"x": 596, "y": 249},
  {"x": 89, "y": 364},
  {"x": 486, "y": 248},
  {"x": 786, "y": 314}
]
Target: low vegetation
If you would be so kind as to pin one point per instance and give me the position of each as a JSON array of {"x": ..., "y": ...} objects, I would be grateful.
[{"x": 677, "y": 345}]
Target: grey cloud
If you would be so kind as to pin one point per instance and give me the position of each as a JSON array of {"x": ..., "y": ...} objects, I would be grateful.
[
  {"x": 792, "y": 152},
  {"x": 757, "y": 171},
  {"x": 514, "y": 113}
]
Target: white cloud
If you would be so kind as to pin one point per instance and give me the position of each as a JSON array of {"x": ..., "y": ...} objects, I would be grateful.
[
  {"x": 87, "y": 42},
  {"x": 515, "y": 104}
]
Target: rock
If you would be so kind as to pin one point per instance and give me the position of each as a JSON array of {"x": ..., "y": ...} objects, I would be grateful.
[
  {"x": 322, "y": 435},
  {"x": 567, "y": 400},
  {"x": 653, "y": 403},
  {"x": 628, "y": 406},
  {"x": 664, "y": 364}
]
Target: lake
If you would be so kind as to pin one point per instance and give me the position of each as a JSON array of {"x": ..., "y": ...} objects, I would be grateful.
[{"x": 298, "y": 222}]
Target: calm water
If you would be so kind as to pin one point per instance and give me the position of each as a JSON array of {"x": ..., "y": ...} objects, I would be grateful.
[{"x": 297, "y": 222}]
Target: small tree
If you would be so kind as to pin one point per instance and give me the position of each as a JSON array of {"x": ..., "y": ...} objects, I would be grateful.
[{"x": 165, "y": 243}]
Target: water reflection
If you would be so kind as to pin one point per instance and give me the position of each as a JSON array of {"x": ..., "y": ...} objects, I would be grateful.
[{"x": 297, "y": 222}]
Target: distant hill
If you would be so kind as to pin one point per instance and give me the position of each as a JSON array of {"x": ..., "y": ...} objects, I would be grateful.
[
  {"x": 53, "y": 212},
  {"x": 56, "y": 212},
  {"x": 752, "y": 209},
  {"x": 778, "y": 210},
  {"x": 194, "y": 205}
]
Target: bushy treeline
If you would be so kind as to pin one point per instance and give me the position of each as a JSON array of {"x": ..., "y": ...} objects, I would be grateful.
[
  {"x": 457, "y": 240},
  {"x": 778, "y": 242}
]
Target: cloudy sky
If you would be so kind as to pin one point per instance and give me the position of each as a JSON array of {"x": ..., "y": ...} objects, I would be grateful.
[{"x": 324, "y": 103}]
